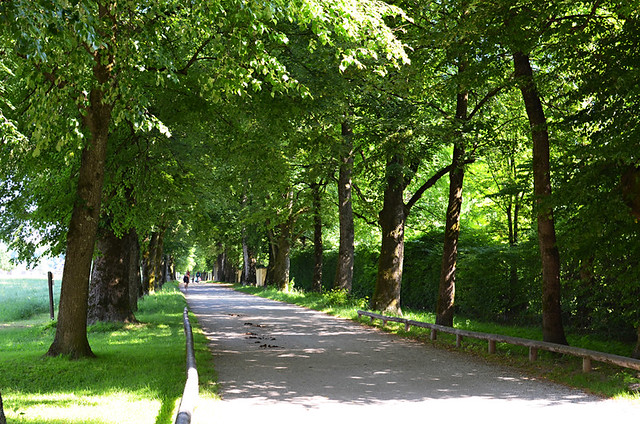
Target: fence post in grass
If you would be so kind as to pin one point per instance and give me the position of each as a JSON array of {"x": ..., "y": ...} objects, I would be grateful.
[
  {"x": 51, "y": 312},
  {"x": 492, "y": 346},
  {"x": 3, "y": 420}
]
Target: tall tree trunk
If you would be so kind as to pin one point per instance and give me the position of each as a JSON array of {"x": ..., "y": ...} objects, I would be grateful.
[
  {"x": 229, "y": 268},
  {"x": 135, "y": 282},
  {"x": 282, "y": 263},
  {"x": 636, "y": 351},
  {"x": 158, "y": 269},
  {"x": 273, "y": 253},
  {"x": 246, "y": 260},
  {"x": 149, "y": 264},
  {"x": 71, "y": 330},
  {"x": 172, "y": 268},
  {"x": 109, "y": 290},
  {"x": 552, "y": 328},
  {"x": 344, "y": 268},
  {"x": 316, "y": 284},
  {"x": 386, "y": 297},
  {"x": 447, "y": 287},
  {"x": 220, "y": 264}
]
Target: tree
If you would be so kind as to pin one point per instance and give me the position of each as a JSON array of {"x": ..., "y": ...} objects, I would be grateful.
[
  {"x": 552, "y": 328},
  {"x": 344, "y": 268},
  {"x": 109, "y": 291},
  {"x": 109, "y": 55}
]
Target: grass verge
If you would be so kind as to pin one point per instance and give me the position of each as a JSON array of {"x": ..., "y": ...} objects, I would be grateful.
[
  {"x": 605, "y": 380},
  {"x": 137, "y": 377}
]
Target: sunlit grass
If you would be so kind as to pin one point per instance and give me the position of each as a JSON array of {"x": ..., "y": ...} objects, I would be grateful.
[
  {"x": 24, "y": 298},
  {"x": 606, "y": 380},
  {"x": 137, "y": 377}
]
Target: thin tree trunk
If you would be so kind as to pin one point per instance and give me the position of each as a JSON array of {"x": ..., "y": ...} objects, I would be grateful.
[
  {"x": 229, "y": 268},
  {"x": 273, "y": 253},
  {"x": 135, "y": 283},
  {"x": 246, "y": 264},
  {"x": 220, "y": 264},
  {"x": 71, "y": 330},
  {"x": 636, "y": 351},
  {"x": 344, "y": 268},
  {"x": 552, "y": 328},
  {"x": 109, "y": 298},
  {"x": 282, "y": 263},
  {"x": 316, "y": 284},
  {"x": 447, "y": 287},
  {"x": 386, "y": 297},
  {"x": 149, "y": 267},
  {"x": 158, "y": 262}
]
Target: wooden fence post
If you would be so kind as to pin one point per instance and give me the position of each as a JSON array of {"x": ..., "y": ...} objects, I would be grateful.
[
  {"x": 3, "y": 420},
  {"x": 50, "y": 277}
]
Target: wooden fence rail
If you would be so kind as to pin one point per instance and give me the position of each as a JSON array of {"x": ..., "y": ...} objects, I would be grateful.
[
  {"x": 533, "y": 345},
  {"x": 190, "y": 393}
]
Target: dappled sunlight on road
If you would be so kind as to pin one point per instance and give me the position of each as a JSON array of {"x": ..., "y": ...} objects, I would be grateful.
[{"x": 306, "y": 364}]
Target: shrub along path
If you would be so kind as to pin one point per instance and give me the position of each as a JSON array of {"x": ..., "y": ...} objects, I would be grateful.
[{"x": 281, "y": 363}]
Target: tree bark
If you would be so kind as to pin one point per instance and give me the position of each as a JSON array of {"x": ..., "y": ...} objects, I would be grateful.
[
  {"x": 149, "y": 266},
  {"x": 158, "y": 268},
  {"x": 249, "y": 261},
  {"x": 316, "y": 284},
  {"x": 135, "y": 282},
  {"x": 386, "y": 297},
  {"x": 344, "y": 267},
  {"x": 109, "y": 298},
  {"x": 220, "y": 264},
  {"x": 447, "y": 287},
  {"x": 71, "y": 330},
  {"x": 636, "y": 351},
  {"x": 282, "y": 263},
  {"x": 273, "y": 252},
  {"x": 630, "y": 183},
  {"x": 552, "y": 328}
]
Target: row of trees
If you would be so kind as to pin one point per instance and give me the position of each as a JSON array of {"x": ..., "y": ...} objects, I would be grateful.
[{"x": 236, "y": 133}]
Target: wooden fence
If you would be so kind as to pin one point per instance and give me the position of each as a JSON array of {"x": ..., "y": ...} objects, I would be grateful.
[
  {"x": 533, "y": 345},
  {"x": 190, "y": 393}
]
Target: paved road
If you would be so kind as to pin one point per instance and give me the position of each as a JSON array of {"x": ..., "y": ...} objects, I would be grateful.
[{"x": 279, "y": 363}]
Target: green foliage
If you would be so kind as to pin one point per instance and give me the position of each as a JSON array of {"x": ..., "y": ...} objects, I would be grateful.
[
  {"x": 5, "y": 260},
  {"x": 138, "y": 375}
]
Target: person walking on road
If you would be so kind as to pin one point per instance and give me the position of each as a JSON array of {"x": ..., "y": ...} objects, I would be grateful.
[{"x": 185, "y": 279}]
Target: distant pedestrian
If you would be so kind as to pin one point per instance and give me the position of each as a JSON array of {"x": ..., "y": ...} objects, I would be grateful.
[{"x": 186, "y": 280}]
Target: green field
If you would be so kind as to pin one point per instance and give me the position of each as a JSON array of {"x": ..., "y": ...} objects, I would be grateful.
[
  {"x": 24, "y": 298},
  {"x": 137, "y": 376}
]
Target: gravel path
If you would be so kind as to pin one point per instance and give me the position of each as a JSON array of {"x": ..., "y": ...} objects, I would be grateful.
[{"x": 279, "y": 363}]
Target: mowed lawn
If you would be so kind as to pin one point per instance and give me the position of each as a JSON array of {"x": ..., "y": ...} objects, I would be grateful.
[{"x": 137, "y": 377}]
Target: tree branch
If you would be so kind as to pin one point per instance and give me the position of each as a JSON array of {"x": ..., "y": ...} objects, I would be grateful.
[{"x": 430, "y": 183}]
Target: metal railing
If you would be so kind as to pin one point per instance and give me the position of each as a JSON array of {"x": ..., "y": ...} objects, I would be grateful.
[
  {"x": 190, "y": 393},
  {"x": 533, "y": 345}
]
